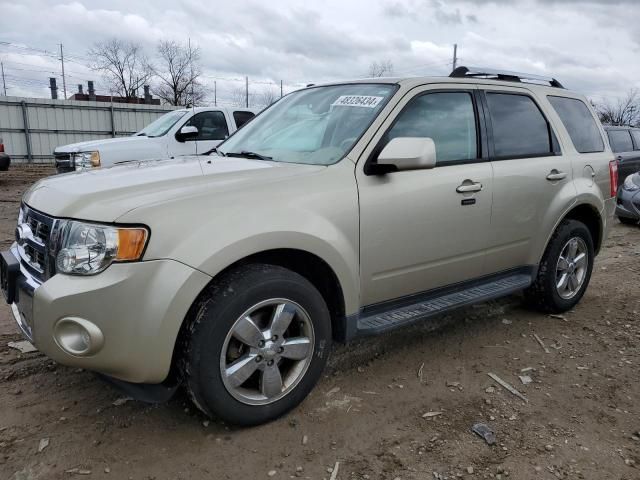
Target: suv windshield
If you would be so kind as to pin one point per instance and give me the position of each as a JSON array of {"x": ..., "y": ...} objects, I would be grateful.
[
  {"x": 314, "y": 126},
  {"x": 162, "y": 125}
]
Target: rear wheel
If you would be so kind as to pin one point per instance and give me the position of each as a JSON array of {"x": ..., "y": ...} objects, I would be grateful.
[
  {"x": 565, "y": 269},
  {"x": 628, "y": 221},
  {"x": 258, "y": 342}
]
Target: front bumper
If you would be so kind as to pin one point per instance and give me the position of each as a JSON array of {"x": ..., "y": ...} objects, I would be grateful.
[
  {"x": 628, "y": 204},
  {"x": 137, "y": 308}
]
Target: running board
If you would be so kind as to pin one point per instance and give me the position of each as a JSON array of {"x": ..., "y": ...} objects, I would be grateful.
[{"x": 424, "y": 306}]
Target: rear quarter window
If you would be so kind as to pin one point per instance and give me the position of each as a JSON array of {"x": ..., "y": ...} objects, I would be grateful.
[
  {"x": 241, "y": 117},
  {"x": 579, "y": 122}
]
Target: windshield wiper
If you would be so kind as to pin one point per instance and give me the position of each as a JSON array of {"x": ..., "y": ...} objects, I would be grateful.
[
  {"x": 247, "y": 154},
  {"x": 215, "y": 150}
]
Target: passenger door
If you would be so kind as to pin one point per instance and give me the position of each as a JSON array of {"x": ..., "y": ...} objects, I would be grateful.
[
  {"x": 532, "y": 181},
  {"x": 418, "y": 230}
]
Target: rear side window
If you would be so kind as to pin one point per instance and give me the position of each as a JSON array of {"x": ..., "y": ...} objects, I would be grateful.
[
  {"x": 519, "y": 128},
  {"x": 620, "y": 141},
  {"x": 634, "y": 133},
  {"x": 448, "y": 118},
  {"x": 242, "y": 117},
  {"x": 580, "y": 124}
]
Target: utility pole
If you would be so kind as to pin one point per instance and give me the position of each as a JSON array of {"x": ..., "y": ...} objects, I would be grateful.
[
  {"x": 455, "y": 56},
  {"x": 4, "y": 84},
  {"x": 215, "y": 93},
  {"x": 64, "y": 81},
  {"x": 246, "y": 91},
  {"x": 280, "y": 88}
]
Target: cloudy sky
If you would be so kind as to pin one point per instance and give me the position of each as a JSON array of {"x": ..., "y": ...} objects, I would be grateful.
[{"x": 590, "y": 45}]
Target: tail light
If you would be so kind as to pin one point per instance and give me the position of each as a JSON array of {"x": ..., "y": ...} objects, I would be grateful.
[{"x": 613, "y": 177}]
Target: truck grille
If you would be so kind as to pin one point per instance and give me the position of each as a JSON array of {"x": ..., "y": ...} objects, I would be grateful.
[{"x": 34, "y": 249}]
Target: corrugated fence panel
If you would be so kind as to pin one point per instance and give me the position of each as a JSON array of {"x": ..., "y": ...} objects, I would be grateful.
[{"x": 59, "y": 122}]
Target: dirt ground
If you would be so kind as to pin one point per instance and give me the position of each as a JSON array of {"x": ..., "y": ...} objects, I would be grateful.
[{"x": 582, "y": 418}]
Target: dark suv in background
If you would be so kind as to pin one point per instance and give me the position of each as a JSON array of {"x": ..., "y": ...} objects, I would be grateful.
[
  {"x": 625, "y": 143},
  {"x": 5, "y": 160}
]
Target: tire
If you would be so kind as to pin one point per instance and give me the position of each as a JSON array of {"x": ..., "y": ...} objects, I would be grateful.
[
  {"x": 628, "y": 221},
  {"x": 217, "y": 323},
  {"x": 544, "y": 294}
]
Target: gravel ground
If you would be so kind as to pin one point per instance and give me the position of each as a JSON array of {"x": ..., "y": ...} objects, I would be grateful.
[{"x": 367, "y": 415}]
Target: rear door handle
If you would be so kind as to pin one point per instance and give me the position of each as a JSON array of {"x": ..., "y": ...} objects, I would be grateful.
[
  {"x": 469, "y": 188},
  {"x": 555, "y": 175}
]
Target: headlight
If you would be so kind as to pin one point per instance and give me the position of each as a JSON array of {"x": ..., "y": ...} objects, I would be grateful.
[
  {"x": 83, "y": 160},
  {"x": 629, "y": 184},
  {"x": 87, "y": 249}
]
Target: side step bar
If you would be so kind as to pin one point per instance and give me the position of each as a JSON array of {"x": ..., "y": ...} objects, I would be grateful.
[{"x": 375, "y": 320}]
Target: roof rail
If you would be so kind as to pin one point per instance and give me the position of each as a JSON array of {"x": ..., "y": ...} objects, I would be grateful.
[{"x": 489, "y": 73}]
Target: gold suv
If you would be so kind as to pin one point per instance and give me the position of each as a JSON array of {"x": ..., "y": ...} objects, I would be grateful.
[{"x": 343, "y": 210}]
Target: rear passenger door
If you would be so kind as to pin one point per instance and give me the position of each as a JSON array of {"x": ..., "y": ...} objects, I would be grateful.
[
  {"x": 622, "y": 145},
  {"x": 530, "y": 177}
]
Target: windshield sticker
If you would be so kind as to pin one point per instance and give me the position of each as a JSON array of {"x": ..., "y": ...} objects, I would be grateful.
[{"x": 366, "y": 101}]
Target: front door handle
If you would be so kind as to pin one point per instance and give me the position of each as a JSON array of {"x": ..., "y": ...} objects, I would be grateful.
[
  {"x": 555, "y": 175},
  {"x": 469, "y": 188}
]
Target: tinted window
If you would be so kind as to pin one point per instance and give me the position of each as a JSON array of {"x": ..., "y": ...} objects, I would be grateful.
[
  {"x": 210, "y": 125},
  {"x": 448, "y": 118},
  {"x": 242, "y": 117},
  {"x": 580, "y": 124},
  {"x": 620, "y": 141},
  {"x": 519, "y": 128},
  {"x": 636, "y": 138}
]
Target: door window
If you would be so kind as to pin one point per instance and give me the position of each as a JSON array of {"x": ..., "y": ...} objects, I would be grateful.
[
  {"x": 636, "y": 138},
  {"x": 579, "y": 122},
  {"x": 242, "y": 117},
  {"x": 210, "y": 125},
  {"x": 446, "y": 117},
  {"x": 620, "y": 141},
  {"x": 519, "y": 128}
]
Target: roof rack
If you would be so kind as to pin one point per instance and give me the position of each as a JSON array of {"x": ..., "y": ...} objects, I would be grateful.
[{"x": 474, "y": 72}]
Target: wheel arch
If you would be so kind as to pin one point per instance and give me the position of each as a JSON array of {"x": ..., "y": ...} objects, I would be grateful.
[{"x": 587, "y": 214}]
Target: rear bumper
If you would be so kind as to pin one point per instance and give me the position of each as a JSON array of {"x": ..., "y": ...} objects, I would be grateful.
[
  {"x": 135, "y": 310},
  {"x": 628, "y": 204},
  {"x": 5, "y": 161}
]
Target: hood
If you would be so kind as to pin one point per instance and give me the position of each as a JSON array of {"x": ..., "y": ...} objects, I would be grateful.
[
  {"x": 105, "y": 194},
  {"x": 99, "y": 144}
]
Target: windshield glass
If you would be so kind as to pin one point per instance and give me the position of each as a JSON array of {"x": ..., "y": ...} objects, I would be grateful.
[
  {"x": 316, "y": 126},
  {"x": 160, "y": 126}
]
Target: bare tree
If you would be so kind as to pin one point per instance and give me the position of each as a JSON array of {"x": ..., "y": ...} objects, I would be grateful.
[
  {"x": 178, "y": 74},
  {"x": 624, "y": 110},
  {"x": 382, "y": 69},
  {"x": 123, "y": 64},
  {"x": 268, "y": 97},
  {"x": 238, "y": 97}
]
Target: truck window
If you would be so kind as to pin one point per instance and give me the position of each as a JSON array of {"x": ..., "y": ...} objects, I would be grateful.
[
  {"x": 448, "y": 118},
  {"x": 242, "y": 117},
  {"x": 511, "y": 116},
  {"x": 579, "y": 122},
  {"x": 210, "y": 125},
  {"x": 620, "y": 141},
  {"x": 636, "y": 138}
]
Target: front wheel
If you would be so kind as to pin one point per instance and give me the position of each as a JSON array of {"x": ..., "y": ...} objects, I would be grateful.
[
  {"x": 565, "y": 269},
  {"x": 258, "y": 343}
]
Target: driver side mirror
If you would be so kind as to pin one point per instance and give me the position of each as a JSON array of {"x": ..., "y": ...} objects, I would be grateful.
[
  {"x": 405, "y": 153},
  {"x": 186, "y": 133}
]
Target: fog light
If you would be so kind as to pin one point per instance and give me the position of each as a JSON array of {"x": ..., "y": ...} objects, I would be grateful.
[{"x": 78, "y": 336}]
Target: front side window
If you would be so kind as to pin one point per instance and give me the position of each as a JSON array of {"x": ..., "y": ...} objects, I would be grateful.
[
  {"x": 579, "y": 122},
  {"x": 519, "y": 128},
  {"x": 162, "y": 125},
  {"x": 446, "y": 117},
  {"x": 620, "y": 141},
  {"x": 314, "y": 126},
  {"x": 210, "y": 125}
]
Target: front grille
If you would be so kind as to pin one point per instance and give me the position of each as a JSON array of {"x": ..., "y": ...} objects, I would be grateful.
[{"x": 35, "y": 250}]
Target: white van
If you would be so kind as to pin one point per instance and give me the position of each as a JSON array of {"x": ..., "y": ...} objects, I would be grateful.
[{"x": 189, "y": 131}]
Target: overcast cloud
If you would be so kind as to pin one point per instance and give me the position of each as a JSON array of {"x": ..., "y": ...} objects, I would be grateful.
[{"x": 590, "y": 46}]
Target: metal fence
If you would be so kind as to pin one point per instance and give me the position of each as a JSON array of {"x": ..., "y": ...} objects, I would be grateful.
[{"x": 32, "y": 128}]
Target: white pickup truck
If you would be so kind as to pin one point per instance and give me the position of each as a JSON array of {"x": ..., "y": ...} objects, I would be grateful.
[{"x": 180, "y": 132}]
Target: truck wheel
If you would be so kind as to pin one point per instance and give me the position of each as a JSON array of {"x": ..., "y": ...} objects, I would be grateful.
[
  {"x": 565, "y": 269},
  {"x": 256, "y": 344}
]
